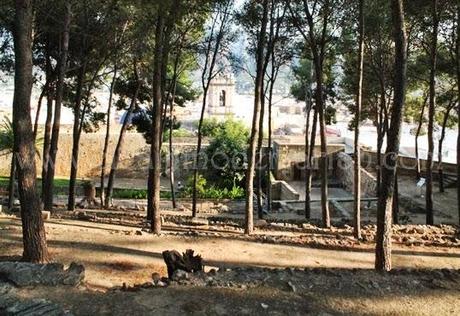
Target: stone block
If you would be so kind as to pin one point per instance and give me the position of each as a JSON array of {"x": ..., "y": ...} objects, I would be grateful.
[{"x": 46, "y": 215}]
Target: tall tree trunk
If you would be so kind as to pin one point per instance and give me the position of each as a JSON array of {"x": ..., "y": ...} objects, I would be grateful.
[
  {"x": 308, "y": 109},
  {"x": 457, "y": 57},
  {"x": 417, "y": 135},
  {"x": 11, "y": 186},
  {"x": 380, "y": 134},
  {"x": 206, "y": 77},
  {"x": 359, "y": 98},
  {"x": 258, "y": 95},
  {"x": 78, "y": 117},
  {"x": 48, "y": 187},
  {"x": 118, "y": 148},
  {"x": 384, "y": 210},
  {"x": 259, "y": 154},
  {"x": 33, "y": 228},
  {"x": 323, "y": 158},
  {"x": 431, "y": 114},
  {"x": 171, "y": 156},
  {"x": 155, "y": 160},
  {"x": 318, "y": 47},
  {"x": 198, "y": 153},
  {"x": 440, "y": 146},
  {"x": 49, "y": 113},
  {"x": 39, "y": 108},
  {"x": 172, "y": 98},
  {"x": 395, "y": 207},
  {"x": 270, "y": 146},
  {"x": 47, "y": 137},
  {"x": 104, "y": 201},
  {"x": 309, "y": 169}
]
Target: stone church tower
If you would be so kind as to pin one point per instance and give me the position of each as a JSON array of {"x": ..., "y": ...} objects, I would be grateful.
[{"x": 221, "y": 95}]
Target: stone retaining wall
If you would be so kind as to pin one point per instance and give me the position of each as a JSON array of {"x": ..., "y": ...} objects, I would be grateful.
[{"x": 345, "y": 174}]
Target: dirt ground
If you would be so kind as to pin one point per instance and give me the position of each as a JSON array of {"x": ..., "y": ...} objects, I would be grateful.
[{"x": 114, "y": 255}]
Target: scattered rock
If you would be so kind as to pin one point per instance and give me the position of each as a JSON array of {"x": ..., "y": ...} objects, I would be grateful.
[
  {"x": 260, "y": 223},
  {"x": 160, "y": 284},
  {"x": 199, "y": 222},
  {"x": 46, "y": 215},
  {"x": 292, "y": 287},
  {"x": 180, "y": 275},
  {"x": 264, "y": 306},
  {"x": 139, "y": 233},
  {"x": 156, "y": 277},
  {"x": 25, "y": 274}
]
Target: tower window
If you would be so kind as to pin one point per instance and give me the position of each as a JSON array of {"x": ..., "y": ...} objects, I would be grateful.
[{"x": 223, "y": 98}]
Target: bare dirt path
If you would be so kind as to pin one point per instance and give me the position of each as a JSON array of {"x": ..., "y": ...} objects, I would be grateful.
[{"x": 114, "y": 254}]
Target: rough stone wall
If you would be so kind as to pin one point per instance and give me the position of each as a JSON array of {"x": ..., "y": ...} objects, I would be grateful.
[
  {"x": 345, "y": 174},
  {"x": 287, "y": 156},
  {"x": 406, "y": 165},
  {"x": 282, "y": 191},
  {"x": 134, "y": 160}
]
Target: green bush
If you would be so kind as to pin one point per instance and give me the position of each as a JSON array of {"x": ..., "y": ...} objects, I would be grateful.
[{"x": 226, "y": 155}]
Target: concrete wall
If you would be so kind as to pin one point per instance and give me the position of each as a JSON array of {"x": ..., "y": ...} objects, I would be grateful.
[{"x": 345, "y": 174}]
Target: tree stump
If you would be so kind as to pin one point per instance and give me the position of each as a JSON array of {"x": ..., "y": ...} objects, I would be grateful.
[{"x": 186, "y": 262}]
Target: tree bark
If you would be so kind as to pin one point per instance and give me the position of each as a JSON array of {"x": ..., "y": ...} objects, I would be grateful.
[
  {"x": 259, "y": 154},
  {"x": 384, "y": 210},
  {"x": 105, "y": 202},
  {"x": 118, "y": 148},
  {"x": 258, "y": 95},
  {"x": 78, "y": 117},
  {"x": 48, "y": 187},
  {"x": 395, "y": 210},
  {"x": 198, "y": 153},
  {"x": 47, "y": 137},
  {"x": 431, "y": 114},
  {"x": 457, "y": 57},
  {"x": 39, "y": 108},
  {"x": 318, "y": 48},
  {"x": 33, "y": 229},
  {"x": 155, "y": 160},
  {"x": 172, "y": 98},
  {"x": 380, "y": 135},
  {"x": 310, "y": 164},
  {"x": 308, "y": 109},
  {"x": 359, "y": 98},
  {"x": 440, "y": 146},
  {"x": 206, "y": 77},
  {"x": 417, "y": 135},
  {"x": 11, "y": 186}
]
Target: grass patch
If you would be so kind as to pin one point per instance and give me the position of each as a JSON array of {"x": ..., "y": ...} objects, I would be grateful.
[{"x": 61, "y": 186}]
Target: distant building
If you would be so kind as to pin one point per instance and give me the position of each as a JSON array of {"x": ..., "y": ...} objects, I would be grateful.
[{"x": 221, "y": 96}]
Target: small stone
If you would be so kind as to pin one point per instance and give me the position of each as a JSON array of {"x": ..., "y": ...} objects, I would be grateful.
[
  {"x": 46, "y": 215},
  {"x": 156, "y": 277},
  {"x": 180, "y": 275},
  {"x": 139, "y": 233},
  {"x": 264, "y": 306},
  {"x": 292, "y": 287},
  {"x": 260, "y": 223},
  {"x": 199, "y": 222},
  {"x": 160, "y": 284}
]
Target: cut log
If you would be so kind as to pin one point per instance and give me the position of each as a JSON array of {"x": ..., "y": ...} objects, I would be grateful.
[{"x": 186, "y": 262}]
